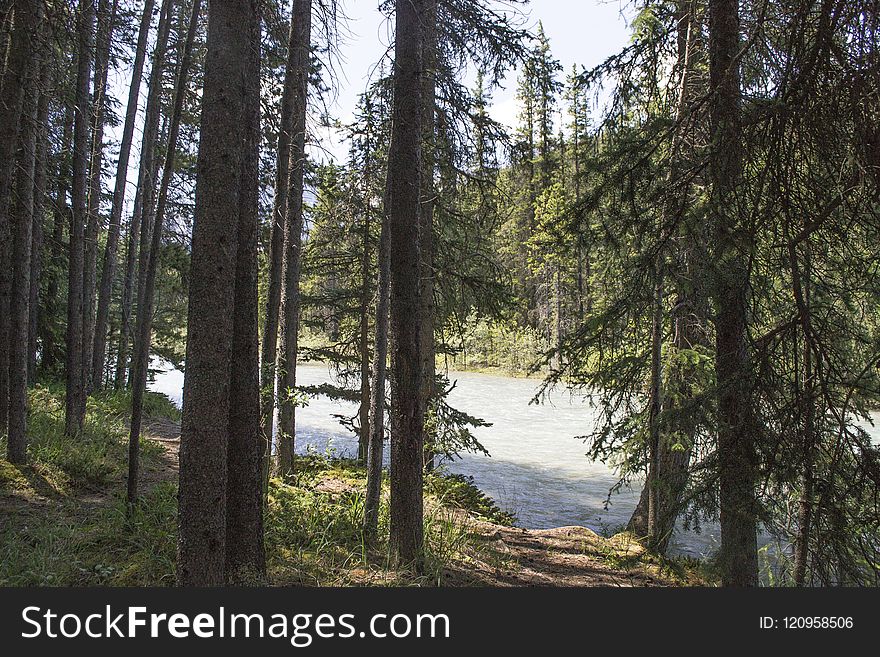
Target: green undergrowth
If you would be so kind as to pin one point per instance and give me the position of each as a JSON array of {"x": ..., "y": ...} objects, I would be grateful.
[
  {"x": 62, "y": 517},
  {"x": 65, "y": 521},
  {"x": 314, "y": 534},
  {"x": 101, "y": 546},
  {"x": 459, "y": 491},
  {"x": 60, "y": 465}
]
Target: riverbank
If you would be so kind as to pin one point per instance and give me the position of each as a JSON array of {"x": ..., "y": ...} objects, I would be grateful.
[
  {"x": 64, "y": 521},
  {"x": 455, "y": 366},
  {"x": 490, "y": 370}
]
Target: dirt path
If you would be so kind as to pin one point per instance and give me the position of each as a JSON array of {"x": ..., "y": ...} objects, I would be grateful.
[
  {"x": 563, "y": 556},
  {"x": 166, "y": 433}
]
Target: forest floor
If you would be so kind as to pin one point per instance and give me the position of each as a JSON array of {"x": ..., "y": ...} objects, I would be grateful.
[{"x": 63, "y": 521}]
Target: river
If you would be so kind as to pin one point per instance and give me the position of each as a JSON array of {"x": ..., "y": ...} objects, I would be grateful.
[{"x": 537, "y": 468}]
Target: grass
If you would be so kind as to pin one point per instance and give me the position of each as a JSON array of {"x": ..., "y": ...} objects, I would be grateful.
[
  {"x": 59, "y": 464},
  {"x": 624, "y": 551},
  {"x": 64, "y": 520},
  {"x": 459, "y": 491},
  {"x": 314, "y": 534},
  {"x": 102, "y": 546}
]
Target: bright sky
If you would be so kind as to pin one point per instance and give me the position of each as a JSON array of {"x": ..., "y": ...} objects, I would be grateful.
[{"x": 582, "y": 32}]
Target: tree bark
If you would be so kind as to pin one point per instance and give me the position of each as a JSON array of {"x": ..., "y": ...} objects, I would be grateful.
[
  {"x": 29, "y": 16},
  {"x": 802, "y": 284},
  {"x": 286, "y": 366},
  {"x": 15, "y": 77},
  {"x": 557, "y": 316},
  {"x": 269, "y": 352},
  {"x": 403, "y": 200},
  {"x": 245, "y": 554},
  {"x": 689, "y": 315},
  {"x": 75, "y": 403},
  {"x": 108, "y": 268},
  {"x": 576, "y": 161},
  {"x": 377, "y": 393},
  {"x": 364, "y": 329},
  {"x": 654, "y": 410},
  {"x": 426, "y": 220},
  {"x": 106, "y": 18},
  {"x": 223, "y": 153},
  {"x": 60, "y": 217},
  {"x": 143, "y": 200},
  {"x": 737, "y": 426},
  {"x": 141, "y": 359},
  {"x": 39, "y": 200},
  {"x": 5, "y": 36}
]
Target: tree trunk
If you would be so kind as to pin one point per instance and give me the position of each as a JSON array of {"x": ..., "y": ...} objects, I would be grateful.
[
  {"x": 655, "y": 406},
  {"x": 223, "y": 158},
  {"x": 106, "y": 18},
  {"x": 40, "y": 163},
  {"x": 557, "y": 317},
  {"x": 18, "y": 63},
  {"x": 108, "y": 268},
  {"x": 737, "y": 426},
  {"x": 576, "y": 159},
  {"x": 269, "y": 352},
  {"x": 426, "y": 220},
  {"x": 141, "y": 359},
  {"x": 143, "y": 200},
  {"x": 673, "y": 453},
  {"x": 576, "y": 137},
  {"x": 5, "y": 36},
  {"x": 286, "y": 366},
  {"x": 75, "y": 403},
  {"x": 245, "y": 554},
  {"x": 29, "y": 15},
  {"x": 364, "y": 329},
  {"x": 60, "y": 217},
  {"x": 528, "y": 222},
  {"x": 377, "y": 393},
  {"x": 403, "y": 199},
  {"x": 803, "y": 292}
]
